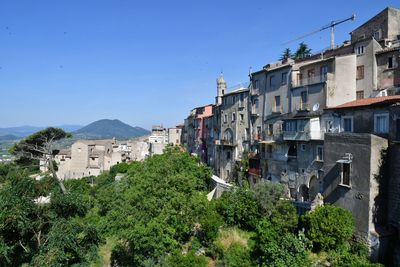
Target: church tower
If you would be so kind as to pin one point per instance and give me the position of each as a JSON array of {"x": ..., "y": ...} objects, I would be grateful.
[{"x": 221, "y": 88}]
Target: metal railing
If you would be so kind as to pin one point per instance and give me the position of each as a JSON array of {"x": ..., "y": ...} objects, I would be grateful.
[
  {"x": 303, "y": 107},
  {"x": 312, "y": 80}
]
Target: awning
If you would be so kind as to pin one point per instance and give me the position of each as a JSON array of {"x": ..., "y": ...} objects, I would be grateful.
[
  {"x": 344, "y": 161},
  {"x": 267, "y": 142}
]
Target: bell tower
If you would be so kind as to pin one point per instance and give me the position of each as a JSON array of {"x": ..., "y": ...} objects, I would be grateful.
[{"x": 221, "y": 88}]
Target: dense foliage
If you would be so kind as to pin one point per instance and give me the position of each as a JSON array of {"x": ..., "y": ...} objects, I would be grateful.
[{"x": 157, "y": 214}]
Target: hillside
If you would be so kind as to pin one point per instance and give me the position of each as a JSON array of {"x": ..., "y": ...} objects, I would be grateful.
[
  {"x": 108, "y": 129},
  {"x": 22, "y": 131}
]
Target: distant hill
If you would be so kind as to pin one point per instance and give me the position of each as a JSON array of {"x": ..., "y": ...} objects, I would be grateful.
[
  {"x": 23, "y": 131},
  {"x": 9, "y": 137},
  {"x": 109, "y": 129}
]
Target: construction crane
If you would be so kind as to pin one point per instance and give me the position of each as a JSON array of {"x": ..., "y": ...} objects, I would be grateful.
[{"x": 331, "y": 25}]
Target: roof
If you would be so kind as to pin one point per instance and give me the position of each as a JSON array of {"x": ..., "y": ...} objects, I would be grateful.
[
  {"x": 383, "y": 100},
  {"x": 98, "y": 142},
  {"x": 66, "y": 152}
]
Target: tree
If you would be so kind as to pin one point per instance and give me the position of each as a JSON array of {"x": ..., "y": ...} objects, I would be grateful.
[
  {"x": 267, "y": 195},
  {"x": 40, "y": 146},
  {"x": 287, "y": 53},
  {"x": 329, "y": 227},
  {"x": 302, "y": 51}
]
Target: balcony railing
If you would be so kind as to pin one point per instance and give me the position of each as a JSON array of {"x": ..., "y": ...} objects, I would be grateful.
[
  {"x": 312, "y": 80},
  {"x": 223, "y": 142},
  {"x": 303, "y": 107},
  {"x": 303, "y": 136},
  {"x": 278, "y": 109},
  {"x": 255, "y": 171},
  {"x": 255, "y": 91},
  {"x": 276, "y": 136}
]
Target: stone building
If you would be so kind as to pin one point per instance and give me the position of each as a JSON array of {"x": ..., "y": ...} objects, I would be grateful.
[{"x": 175, "y": 135}]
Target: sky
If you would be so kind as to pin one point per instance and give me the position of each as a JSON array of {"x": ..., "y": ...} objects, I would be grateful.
[{"x": 147, "y": 62}]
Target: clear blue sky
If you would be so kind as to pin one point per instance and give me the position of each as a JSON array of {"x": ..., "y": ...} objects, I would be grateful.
[{"x": 145, "y": 62}]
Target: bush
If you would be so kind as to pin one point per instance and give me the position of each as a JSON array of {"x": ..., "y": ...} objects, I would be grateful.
[
  {"x": 328, "y": 227},
  {"x": 177, "y": 259}
]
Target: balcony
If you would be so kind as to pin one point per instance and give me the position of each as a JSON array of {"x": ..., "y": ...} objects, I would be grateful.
[
  {"x": 276, "y": 136},
  {"x": 257, "y": 137},
  {"x": 303, "y": 136},
  {"x": 223, "y": 142},
  {"x": 278, "y": 109},
  {"x": 254, "y": 91},
  {"x": 255, "y": 171},
  {"x": 254, "y": 112},
  {"x": 303, "y": 107},
  {"x": 312, "y": 80},
  {"x": 296, "y": 136}
]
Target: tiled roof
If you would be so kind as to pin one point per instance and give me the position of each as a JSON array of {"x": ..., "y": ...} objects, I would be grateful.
[{"x": 383, "y": 100}]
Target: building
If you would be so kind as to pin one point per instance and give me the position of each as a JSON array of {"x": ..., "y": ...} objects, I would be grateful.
[
  {"x": 175, "y": 135},
  {"x": 158, "y": 140}
]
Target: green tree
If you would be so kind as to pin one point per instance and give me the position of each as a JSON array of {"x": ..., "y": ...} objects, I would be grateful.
[
  {"x": 273, "y": 248},
  {"x": 40, "y": 146},
  {"x": 177, "y": 259},
  {"x": 329, "y": 227},
  {"x": 287, "y": 53},
  {"x": 239, "y": 207},
  {"x": 302, "y": 51},
  {"x": 267, "y": 195}
]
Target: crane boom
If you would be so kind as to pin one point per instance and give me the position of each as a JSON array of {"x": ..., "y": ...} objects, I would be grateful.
[{"x": 331, "y": 26}]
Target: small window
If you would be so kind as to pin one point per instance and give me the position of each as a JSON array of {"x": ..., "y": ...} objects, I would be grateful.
[
  {"x": 381, "y": 123},
  {"x": 390, "y": 62},
  {"x": 329, "y": 126},
  {"x": 345, "y": 174},
  {"x": 347, "y": 124},
  {"x": 301, "y": 125},
  {"x": 360, "y": 72},
  {"x": 277, "y": 102},
  {"x": 304, "y": 97},
  {"x": 359, "y": 94},
  {"x": 225, "y": 118},
  {"x": 270, "y": 129},
  {"x": 272, "y": 81},
  {"x": 320, "y": 153},
  {"x": 234, "y": 116},
  {"x": 324, "y": 72},
  {"x": 303, "y": 147},
  {"x": 284, "y": 78},
  {"x": 241, "y": 117},
  {"x": 228, "y": 155},
  {"x": 377, "y": 35},
  {"x": 256, "y": 84},
  {"x": 360, "y": 50}
]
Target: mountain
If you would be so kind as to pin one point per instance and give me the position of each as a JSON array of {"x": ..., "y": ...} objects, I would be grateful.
[
  {"x": 22, "y": 131},
  {"x": 8, "y": 137},
  {"x": 109, "y": 129}
]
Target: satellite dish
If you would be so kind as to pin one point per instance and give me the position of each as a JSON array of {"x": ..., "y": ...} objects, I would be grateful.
[{"x": 315, "y": 107}]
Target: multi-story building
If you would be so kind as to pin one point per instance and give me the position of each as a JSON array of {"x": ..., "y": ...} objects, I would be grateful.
[
  {"x": 158, "y": 139},
  {"x": 175, "y": 135}
]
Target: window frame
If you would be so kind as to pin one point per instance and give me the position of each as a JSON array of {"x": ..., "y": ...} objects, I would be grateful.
[
  {"x": 386, "y": 115},
  {"x": 360, "y": 72},
  {"x": 318, "y": 158},
  {"x": 342, "y": 124},
  {"x": 284, "y": 78},
  {"x": 342, "y": 176}
]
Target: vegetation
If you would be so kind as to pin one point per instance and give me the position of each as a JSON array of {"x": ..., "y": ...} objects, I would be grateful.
[{"x": 158, "y": 215}]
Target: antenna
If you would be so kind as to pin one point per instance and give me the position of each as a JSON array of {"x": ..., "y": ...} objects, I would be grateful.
[{"x": 331, "y": 25}]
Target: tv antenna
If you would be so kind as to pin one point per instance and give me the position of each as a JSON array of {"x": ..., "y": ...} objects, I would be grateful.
[{"x": 331, "y": 25}]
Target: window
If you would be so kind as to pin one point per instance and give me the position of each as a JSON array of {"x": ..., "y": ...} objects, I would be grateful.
[
  {"x": 359, "y": 94},
  {"x": 329, "y": 126},
  {"x": 284, "y": 78},
  {"x": 360, "y": 72},
  {"x": 345, "y": 173},
  {"x": 377, "y": 35},
  {"x": 347, "y": 124},
  {"x": 225, "y": 118},
  {"x": 303, "y": 147},
  {"x": 320, "y": 153},
  {"x": 270, "y": 129},
  {"x": 228, "y": 155},
  {"x": 390, "y": 62},
  {"x": 255, "y": 103},
  {"x": 360, "y": 50},
  {"x": 310, "y": 74},
  {"x": 323, "y": 72},
  {"x": 381, "y": 123},
  {"x": 272, "y": 81},
  {"x": 256, "y": 84},
  {"x": 303, "y": 97},
  {"x": 233, "y": 116},
  {"x": 290, "y": 126},
  {"x": 277, "y": 103},
  {"x": 301, "y": 124},
  {"x": 241, "y": 117}
]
